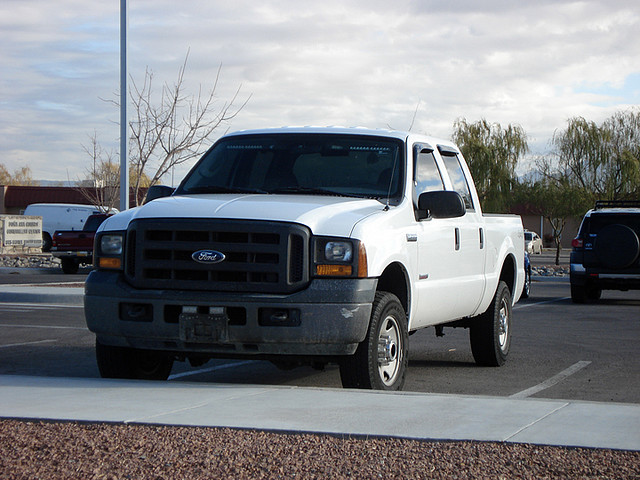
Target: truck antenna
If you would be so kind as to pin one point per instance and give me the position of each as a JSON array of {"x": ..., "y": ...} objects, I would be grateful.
[{"x": 393, "y": 172}]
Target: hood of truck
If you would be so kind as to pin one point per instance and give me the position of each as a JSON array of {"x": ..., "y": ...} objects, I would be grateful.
[{"x": 334, "y": 216}]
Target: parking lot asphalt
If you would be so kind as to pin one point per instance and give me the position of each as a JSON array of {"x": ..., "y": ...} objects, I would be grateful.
[{"x": 314, "y": 410}]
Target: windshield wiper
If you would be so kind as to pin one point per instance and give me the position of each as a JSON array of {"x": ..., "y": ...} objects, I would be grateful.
[
  {"x": 221, "y": 189},
  {"x": 313, "y": 191}
]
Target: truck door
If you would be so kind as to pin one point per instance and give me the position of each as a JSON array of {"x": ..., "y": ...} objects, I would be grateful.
[
  {"x": 435, "y": 278},
  {"x": 470, "y": 240}
]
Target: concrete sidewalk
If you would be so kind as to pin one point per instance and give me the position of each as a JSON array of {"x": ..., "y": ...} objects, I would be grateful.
[
  {"x": 318, "y": 410},
  {"x": 321, "y": 410}
]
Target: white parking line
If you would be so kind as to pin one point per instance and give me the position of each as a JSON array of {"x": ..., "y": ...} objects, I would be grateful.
[
  {"x": 210, "y": 369},
  {"x": 26, "y": 343},
  {"x": 550, "y": 382},
  {"x": 527, "y": 305}
]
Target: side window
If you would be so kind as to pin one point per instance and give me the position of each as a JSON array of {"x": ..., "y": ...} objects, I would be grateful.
[
  {"x": 427, "y": 176},
  {"x": 459, "y": 181}
]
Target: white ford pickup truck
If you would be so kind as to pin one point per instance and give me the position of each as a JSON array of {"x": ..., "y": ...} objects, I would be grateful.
[{"x": 306, "y": 245}]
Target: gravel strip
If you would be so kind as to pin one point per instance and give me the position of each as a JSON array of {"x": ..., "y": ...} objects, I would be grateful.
[
  {"x": 39, "y": 260},
  {"x": 116, "y": 451}
]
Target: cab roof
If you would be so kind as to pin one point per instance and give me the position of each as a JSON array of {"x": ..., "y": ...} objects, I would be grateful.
[{"x": 408, "y": 137}]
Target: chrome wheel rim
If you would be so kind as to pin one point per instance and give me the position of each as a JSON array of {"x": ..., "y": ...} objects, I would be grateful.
[
  {"x": 389, "y": 350},
  {"x": 503, "y": 325}
]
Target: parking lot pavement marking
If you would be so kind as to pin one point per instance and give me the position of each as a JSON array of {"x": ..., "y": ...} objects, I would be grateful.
[
  {"x": 527, "y": 305},
  {"x": 550, "y": 382},
  {"x": 210, "y": 369},
  {"x": 25, "y": 343},
  {"x": 55, "y": 327}
]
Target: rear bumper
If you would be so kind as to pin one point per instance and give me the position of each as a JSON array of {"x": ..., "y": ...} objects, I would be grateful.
[
  {"x": 81, "y": 255},
  {"x": 605, "y": 280},
  {"x": 330, "y": 317}
]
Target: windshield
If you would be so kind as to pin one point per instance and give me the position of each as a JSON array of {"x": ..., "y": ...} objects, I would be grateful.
[
  {"x": 528, "y": 236},
  {"x": 314, "y": 164}
]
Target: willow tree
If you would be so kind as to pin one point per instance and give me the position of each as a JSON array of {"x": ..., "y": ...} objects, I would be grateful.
[
  {"x": 603, "y": 161},
  {"x": 492, "y": 153}
]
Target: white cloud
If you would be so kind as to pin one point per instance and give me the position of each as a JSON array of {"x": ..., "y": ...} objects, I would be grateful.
[{"x": 334, "y": 62}]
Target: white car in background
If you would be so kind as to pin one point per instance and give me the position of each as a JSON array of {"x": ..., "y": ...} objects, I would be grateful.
[{"x": 532, "y": 242}]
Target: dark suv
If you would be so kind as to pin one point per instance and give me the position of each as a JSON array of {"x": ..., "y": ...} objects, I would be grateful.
[{"x": 606, "y": 252}]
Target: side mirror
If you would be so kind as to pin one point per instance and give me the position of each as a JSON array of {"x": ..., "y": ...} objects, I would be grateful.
[
  {"x": 442, "y": 204},
  {"x": 157, "y": 191}
]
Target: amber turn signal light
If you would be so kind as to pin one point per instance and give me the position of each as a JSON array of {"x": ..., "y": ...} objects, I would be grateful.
[
  {"x": 334, "y": 270},
  {"x": 109, "y": 262}
]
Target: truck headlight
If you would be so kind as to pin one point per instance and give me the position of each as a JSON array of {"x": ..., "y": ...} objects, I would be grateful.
[
  {"x": 111, "y": 244},
  {"x": 339, "y": 257},
  {"x": 338, "y": 251},
  {"x": 110, "y": 248}
]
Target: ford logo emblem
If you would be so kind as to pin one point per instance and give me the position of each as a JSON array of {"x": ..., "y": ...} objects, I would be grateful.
[{"x": 208, "y": 256}]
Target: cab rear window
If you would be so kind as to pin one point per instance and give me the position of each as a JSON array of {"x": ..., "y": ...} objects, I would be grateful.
[{"x": 598, "y": 221}]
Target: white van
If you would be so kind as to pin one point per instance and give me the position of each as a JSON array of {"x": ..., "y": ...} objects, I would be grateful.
[{"x": 60, "y": 216}]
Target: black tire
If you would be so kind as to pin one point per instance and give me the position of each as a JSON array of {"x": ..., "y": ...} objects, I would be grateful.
[
  {"x": 578, "y": 294},
  {"x": 490, "y": 336},
  {"x": 131, "y": 363},
  {"x": 47, "y": 243},
  {"x": 69, "y": 265},
  {"x": 585, "y": 293},
  {"x": 381, "y": 360},
  {"x": 526, "y": 290}
]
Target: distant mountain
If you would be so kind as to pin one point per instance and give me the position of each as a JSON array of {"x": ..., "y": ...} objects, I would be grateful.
[{"x": 56, "y": 183}]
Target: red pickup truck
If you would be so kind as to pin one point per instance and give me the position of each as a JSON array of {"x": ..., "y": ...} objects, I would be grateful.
[{"x": 75, "y": 247}]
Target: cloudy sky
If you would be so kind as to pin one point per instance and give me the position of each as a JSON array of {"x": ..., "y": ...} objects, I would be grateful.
[{"x": 346, "y": 62}]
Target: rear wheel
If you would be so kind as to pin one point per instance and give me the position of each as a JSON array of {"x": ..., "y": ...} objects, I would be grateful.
[
  {"x": 490, "y": 336},
  {"x": 585, "y": 293},
  {"x": 125, "y": 362},
  {"x": 380, "y": 362},
  {"x": 47, "y": 243},
  {"x": 69, "y": 265}
]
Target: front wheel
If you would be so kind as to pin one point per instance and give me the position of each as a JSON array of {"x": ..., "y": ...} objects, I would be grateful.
[
  {"x": 132, "y": 363},
  {"x": 491, "y": 334},
  {"x": 381, "y": 360}
]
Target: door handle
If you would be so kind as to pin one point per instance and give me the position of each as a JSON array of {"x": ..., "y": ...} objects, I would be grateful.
[
  {"x": 481, "y": 238},
  {"x": 457, "y": 238}
]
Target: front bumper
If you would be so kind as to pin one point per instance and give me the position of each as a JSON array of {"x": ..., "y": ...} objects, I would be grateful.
[{"x": 329, "y": 317}]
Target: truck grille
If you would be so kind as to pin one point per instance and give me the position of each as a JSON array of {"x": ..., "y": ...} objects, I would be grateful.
[{"x": 261, "y": 257}]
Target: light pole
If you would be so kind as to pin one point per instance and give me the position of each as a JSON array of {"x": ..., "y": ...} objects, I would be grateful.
[{"x": 124, "y": 124}]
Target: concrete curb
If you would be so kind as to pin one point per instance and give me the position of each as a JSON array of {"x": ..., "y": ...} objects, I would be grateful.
[
  {"x": 42, "y": 295},
  {"x": 550, "y": 278},
  {"x": 324, "y": 410}
]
